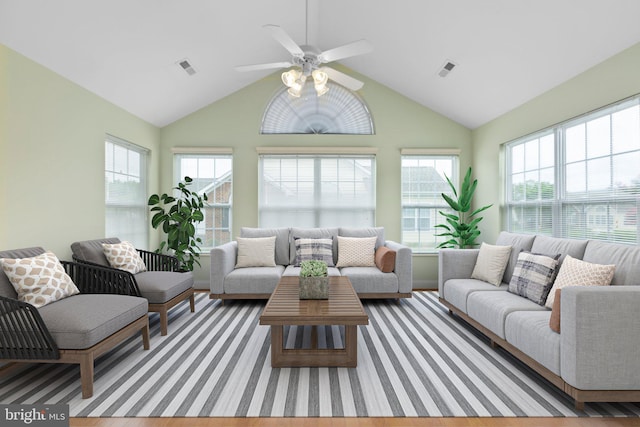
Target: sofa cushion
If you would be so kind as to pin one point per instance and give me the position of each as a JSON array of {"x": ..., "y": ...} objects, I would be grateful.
[
  {"x": 313, "y": 249},
  {"x": 124, "y": 256},
  {"x": 83, "y": 320},
  {"x": 518, "y": 243},
  {"x": 256, "y": 252},
  {"x": 456, "y": 291},
  {"x": 533, "y": 276},
  {"x": 385, "y": 259},
  {"x": 160, "y": 286},
  {"x": 575, "y": 272},
  {"x": 253, "y": 280},
  {"x": 295, "y": 271},
  {"x": 529, "y": 332},
  {"x": 553, "y": 245},
  {"x": 625, "y": 257},
  {"x": 91, "y": 250},
  {"x": 356, "y": 251},
  {"x": 313, "y": 233},
  {"x": 370, "y": 279},
  {"x": 282, "y": 241},
  {"x": 491, "y": 262},
  {"x": 364, "y": 232},
  {"x": 39, "y": 280},
  {"x": 6, "y": 288},
  {"x": 491, "y": 309}
]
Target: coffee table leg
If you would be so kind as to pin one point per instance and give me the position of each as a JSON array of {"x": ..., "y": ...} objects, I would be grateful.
[
  {"x": 277, "y": 345},
  {"x": 351, "y": 345}
]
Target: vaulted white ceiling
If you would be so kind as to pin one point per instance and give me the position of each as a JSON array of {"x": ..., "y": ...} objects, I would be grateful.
[{"x": 507, "y": 51}]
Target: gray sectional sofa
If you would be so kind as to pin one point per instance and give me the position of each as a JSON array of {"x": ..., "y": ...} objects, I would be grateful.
[
  {"x": 229, "y": 282},
  {"x": 595, "y": 356}
]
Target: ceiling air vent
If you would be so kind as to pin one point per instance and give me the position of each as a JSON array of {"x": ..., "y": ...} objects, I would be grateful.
[
  {"x": 446, "y": 69},
  {"x": 186, "y": 66}
]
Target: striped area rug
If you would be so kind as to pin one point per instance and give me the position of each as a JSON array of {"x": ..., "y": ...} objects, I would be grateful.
[{"x": 414, "y": 360}]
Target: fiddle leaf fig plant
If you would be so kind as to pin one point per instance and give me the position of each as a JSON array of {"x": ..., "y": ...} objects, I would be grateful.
[
  {"x": 462, "y": 227},
  {"x": 178, "y": 217}
]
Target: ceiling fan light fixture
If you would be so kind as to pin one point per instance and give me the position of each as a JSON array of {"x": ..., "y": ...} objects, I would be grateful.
[{"x": 320, "y": 79}]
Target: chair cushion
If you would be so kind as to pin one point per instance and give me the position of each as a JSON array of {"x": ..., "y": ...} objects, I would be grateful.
[
  {"x": 253, "y": 280},
  {"x": 529, "y": 331},
  {"x": 160, "y": 286},
  {"x": 91, "y": 250},
  {"x": 370, "y": 279},
  {"x": 457, "y": 291},
  {"x": 83, "y": 320}
]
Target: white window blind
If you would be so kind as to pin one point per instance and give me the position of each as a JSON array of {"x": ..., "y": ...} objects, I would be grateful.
[
  {"x": 586, "y": 183},
  {"x": 316, "y": 190},
  {"x": 212, "y": 175},
  {"x": 126, "y": 191},
  {"x": 423, "y": 182}
]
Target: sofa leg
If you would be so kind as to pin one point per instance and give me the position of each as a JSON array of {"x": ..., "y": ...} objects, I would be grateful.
[
  {"x": 145, "y": 336},
  {"x": 493, "y": 344},
  {"x": 579, "y": 405},
  {"x": 86, "y": 375}
]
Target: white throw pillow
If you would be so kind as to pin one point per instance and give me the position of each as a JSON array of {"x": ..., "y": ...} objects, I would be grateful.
[
  {"x": 356, "y": 251},
  {"x": 124, "y": 256},
  {"x": 39, "y": 280},
  {"x": 491, "y": 262},
  {"x": 575, "y": 272},
  {"x": 256, "y": 252}
]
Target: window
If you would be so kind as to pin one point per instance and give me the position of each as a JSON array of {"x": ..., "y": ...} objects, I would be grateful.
[
  {"x": 317, "y": 190},
  {"x": 212, "y": 175},
  {"x": 579, "y": 179},
  {"x": 423, "y": 182},
  {"x": 126, "y": 191}
]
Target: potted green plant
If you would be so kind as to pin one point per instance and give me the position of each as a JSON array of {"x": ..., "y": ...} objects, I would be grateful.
[
  {"x": 461, "y": 228},
  {"x": 314, "y": 280},
  {"x": 178, "y": 217}
]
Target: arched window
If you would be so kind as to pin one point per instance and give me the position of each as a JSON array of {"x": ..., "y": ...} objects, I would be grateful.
[{"x": 339, "y": 111}]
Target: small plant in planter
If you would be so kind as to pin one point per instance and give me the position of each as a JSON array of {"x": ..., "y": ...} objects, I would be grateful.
[
  {"x": 314, "y": 280},
  {"x": 177, "y": 216}
]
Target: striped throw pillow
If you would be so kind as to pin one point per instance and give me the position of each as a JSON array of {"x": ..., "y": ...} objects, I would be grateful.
[
  {"x": 314, "y": 249},
  {"x": 533, "y": 276}
]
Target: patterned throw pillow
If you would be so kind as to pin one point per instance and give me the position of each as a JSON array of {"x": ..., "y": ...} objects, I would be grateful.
[
  {"x": 575, "y": 272},
  {"x": 39, "y": 280},
  {"x": 356, "y": 251},
  {"x": 124, "y": 256},
  {"x": 533, "y": 276},
  {"x": 314, "y": 249}
]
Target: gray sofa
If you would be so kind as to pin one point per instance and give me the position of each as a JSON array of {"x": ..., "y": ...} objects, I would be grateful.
[
  {"x": 229, "y": 282},
  {"x": 594, "y": 358}
]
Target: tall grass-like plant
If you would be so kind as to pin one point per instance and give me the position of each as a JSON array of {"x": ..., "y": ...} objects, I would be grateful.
[
  {"x": 461, "y": 228},
  {"x": 178, "y": 217}
]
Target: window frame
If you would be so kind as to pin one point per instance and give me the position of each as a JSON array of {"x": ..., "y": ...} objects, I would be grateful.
[
  {"x": 209, "y": 153},
  {"x": 568, "y": 157},
  {"x": 434, "y": 209},
  {"x": 138, "y": 238}
]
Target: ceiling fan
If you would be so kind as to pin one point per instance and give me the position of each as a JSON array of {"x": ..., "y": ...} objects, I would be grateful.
[{"x": 308, "y": 61}]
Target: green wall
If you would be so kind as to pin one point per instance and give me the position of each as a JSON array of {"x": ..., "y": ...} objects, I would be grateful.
[
  {"x": 52, "y": 156},
  {"x": 235, "y": 122},
  {"x": 614, "y": 79}
]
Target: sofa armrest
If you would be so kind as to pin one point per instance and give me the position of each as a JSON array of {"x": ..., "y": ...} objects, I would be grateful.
[
  {"x": 600, "y": 337},
  {"x": 455, "y": 264},
  {"x": 403, "y": 267},
  {"x": 223, "y": 262}
]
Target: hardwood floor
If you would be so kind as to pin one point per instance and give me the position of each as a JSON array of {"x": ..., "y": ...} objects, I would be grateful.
[{"x": 354, "y": 422}]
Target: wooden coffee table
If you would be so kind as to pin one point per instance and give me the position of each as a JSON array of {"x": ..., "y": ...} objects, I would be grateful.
[{"x": 286, "y": 308}]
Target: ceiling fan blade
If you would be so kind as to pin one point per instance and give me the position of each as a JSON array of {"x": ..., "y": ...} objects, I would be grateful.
[
  {"x": 352, "y": 49},
  {"x": 283, "y": 38},
  {"x": 269, "y": 66},
  {"x": 343, "y": 79}
]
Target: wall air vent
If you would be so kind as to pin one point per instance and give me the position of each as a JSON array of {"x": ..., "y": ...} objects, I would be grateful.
[
  {"x": 186, "y": 66},
  {"x": 446, "y": 68}
]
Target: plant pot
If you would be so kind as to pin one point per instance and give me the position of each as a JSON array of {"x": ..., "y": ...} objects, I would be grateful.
[{"x": 314, "y": 287}]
